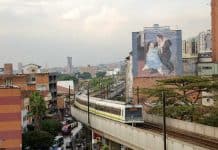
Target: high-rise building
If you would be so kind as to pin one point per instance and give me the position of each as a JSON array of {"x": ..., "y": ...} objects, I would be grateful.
[
  {"x": 204, "y": 42},
  {"x": 190, "y": 48},
  {"x": 214, "y": 5},
  {"x": 20, "y": 66},
  {"x": 69, "y": 65},
  {"x": 8, "y": 69},
  {"x": 10, "y": 118}
]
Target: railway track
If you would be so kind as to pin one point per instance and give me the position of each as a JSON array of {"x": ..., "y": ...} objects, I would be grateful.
[{"x": 196, "y": 139}]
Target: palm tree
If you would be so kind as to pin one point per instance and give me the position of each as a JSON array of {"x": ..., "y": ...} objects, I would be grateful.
[{"x": 37, "y": 108}]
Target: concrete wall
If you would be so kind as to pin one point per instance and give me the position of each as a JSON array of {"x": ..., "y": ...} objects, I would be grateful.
[
  {"x": 184, "y": 125},
  {"x": 132, "y": 137}
]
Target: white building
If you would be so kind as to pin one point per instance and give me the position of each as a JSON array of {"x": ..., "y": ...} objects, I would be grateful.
[
  {"x": 115, "y": 71},
  {"x": 207, "y": 99},
  {"x": 204, "y": 41},
  {"x": 31, "y": 69}
]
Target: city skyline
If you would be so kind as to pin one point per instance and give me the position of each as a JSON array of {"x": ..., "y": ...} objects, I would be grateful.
[{"x": 91, "y": 32}]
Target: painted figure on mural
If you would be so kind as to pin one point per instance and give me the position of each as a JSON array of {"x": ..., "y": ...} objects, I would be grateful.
[
  {"x": 164, "y": 52},
  {"x": 158, "y": 56},
  {"x": 152, "y": 60}
]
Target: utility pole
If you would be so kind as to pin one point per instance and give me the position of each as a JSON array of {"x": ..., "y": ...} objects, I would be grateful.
[
  {"x": 88, "y": 103},
  {"x": 107, "y": 91},
  {"x": 69, "y": 92},
  {"x": 74, "y": 95},
  {"x": 137, "y": 94},
  {"x": 69, "y": 103},
  {"x": 164, "y": 120}
]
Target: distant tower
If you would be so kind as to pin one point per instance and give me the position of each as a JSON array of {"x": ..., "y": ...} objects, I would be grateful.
[
  {"x": 20, "y": 67},
  {"x": 214, "y": 14},
  {"x": 8, "y": 69},
  {"x": 69, "y": 64}
]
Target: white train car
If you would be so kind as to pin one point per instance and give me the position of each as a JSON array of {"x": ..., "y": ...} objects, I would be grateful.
[{"x": 114, "y": 110}]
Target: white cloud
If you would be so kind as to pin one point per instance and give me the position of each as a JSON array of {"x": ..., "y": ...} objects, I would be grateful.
[
  {"x": 107, "y": 21},
  {"x": 104, "y": 26},
  {"x": 72, "y": 14}
]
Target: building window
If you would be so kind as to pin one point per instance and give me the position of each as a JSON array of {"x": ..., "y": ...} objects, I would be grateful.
[
  {"x": 8, "y": 82},
  {"x": 207, "y": 68},
  {"x": 33, "y": 79}
]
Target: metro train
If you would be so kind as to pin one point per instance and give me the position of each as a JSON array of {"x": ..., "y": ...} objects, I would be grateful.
[{"x": 114, "y": 110}]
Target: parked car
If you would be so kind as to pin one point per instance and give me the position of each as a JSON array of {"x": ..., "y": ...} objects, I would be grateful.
[
  {"x": 58, "y": 142},
  {"x": 69, "y": 145},
  {"x": 66, "y": 129}
]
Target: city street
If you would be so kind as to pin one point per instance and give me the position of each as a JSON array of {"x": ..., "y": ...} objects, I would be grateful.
[{"x": 73, "y": 135}]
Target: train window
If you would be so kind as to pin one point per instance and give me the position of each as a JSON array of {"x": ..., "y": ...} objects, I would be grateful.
[
  {"x": 132, "y": 113},
  {"x": 102, "y": 108}
]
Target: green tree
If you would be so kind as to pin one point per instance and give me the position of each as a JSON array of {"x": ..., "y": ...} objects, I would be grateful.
[
  {"x": 179, "y": 93},
  {"x": 67, "y": 77},
  {"x": 37, "y": 108},
  {"x": 105, "y": 147},
  {"x": 37, "y": 140},
  {"x": 187, "y": 85},
  {"x": 100, "y": 74},
  {"x": 50, "y": 125},
  {"x": 85, "y": 75},
  {"x": 210, "y": 118}
]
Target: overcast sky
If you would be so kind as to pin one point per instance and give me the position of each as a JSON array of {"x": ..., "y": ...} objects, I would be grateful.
[{"x": 91, "y": 31}]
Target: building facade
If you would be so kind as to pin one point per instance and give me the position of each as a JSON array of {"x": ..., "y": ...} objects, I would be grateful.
[
  {"x": 214, "y": 13},
  {"x": 44, "y": 83},
  {"x": 69, "y": 65},
  {"x": 157, "y": 51},
  {"x": 90, "y": 69},
  {"x": 129, "y": 78},
  {"x": 204, "y": 41},
  {"x": 10, "y": 118}
]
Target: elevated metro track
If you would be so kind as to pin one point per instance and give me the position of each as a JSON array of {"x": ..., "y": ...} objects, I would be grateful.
[
  {"x": 196, "y": 139},
  {"x": 147, "y": 137}
]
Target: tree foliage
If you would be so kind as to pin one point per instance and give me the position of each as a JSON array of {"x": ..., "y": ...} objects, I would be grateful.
[
  {"x": 37, "y": 140},
  {"x": 100, "y": 74},
  {"x": 67, "y": 77},
  {"x": 50, "y": 125},
  {"x": 210, "y": 119},
  {"x": 85, "y": 75},
  {"x": 100, "y": 83},
  {"x": 37, "y": 107},
  {"x": 183, "y": 95},
  {"x": 186, "y": 86}
]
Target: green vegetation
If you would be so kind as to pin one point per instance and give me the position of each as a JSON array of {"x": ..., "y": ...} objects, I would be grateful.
[
  {"x": 67, "y": 77},
  {"x": 50, "y": 125},
  {"x": 85, "y": 75},
  {"x": 105, "y": 147},
  {"x": 210, "y": 119},
  {"x": 97, "y": 84},
  {"x": 37, "y": 108},
  {"x": 37, "y": 140},
  {"x": 100, "y": 74},
  {"x": 183, "y": 98}
]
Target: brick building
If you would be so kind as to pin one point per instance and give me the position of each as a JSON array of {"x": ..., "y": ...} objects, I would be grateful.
[
  {"x": 91, "y": 69},
  {"x": 33, "y": 80},
  {"x": 10, "y": 118},
  {"x": 214, "y": 13}
]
